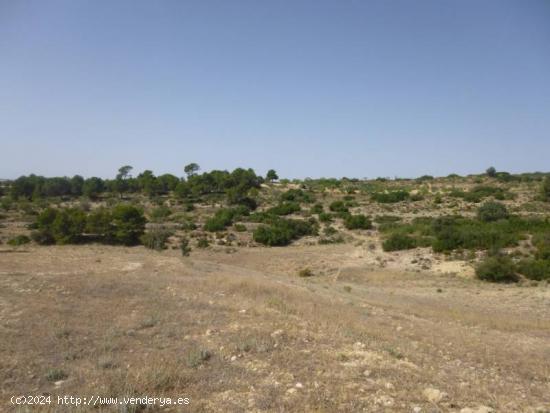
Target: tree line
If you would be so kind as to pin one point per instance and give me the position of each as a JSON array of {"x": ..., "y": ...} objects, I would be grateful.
[{"x": 235, "y": 184}]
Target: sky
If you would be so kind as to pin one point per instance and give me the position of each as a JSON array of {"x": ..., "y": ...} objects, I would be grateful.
[{"x": 355, "y": 88}]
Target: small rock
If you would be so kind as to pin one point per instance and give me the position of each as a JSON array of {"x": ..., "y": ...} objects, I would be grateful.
[
  {"x": 233, "y": 358},
  {"x": 291, "y": 391},
  {"x": 277, "y": 333},
  {"x": 417, "y": 409},
  {"x": 299, "y": 385},
  {"x": 366, "y": 373},
  {"x": 434, "y": 395},
  {"x": 59, "y": 383},
  {"x": 359, "y": 346}
]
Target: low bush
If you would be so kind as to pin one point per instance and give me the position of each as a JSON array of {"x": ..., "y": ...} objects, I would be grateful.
[
  {"x": 317, "y": 209},
  {"x": 497, "y": 269},
  {"x": 325, "y": 217},
  {"x": 397, "y": 242},
  {"x": 390, "y": 197},
  {"x": 492, "y": 211},
  {"x": 224, "y": 218},
  {"x": 305, "y": 272},
  {"x": 184, "y": 247},
  {"x": 203, "y": 243},
  {"x": 284, "y": 208},
  {"x": 298, "y": 195},
  {"x": 535, "y": 269},
  {"x": 160, "y": 213},
  {"x": 283, "y": 231},
  {"x": 357, "y": 222},
  {"x": 19, "y": 240},
  {"x": 240, "y": 227},
  {"x": 156, "y": 238},
  {"x": 338, "y": 206}
]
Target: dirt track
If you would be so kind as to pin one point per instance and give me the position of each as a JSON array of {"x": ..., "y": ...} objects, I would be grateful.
[{"x": 241, "y": 332}]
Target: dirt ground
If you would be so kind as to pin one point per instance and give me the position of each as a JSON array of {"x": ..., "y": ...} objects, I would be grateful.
[{"x": 240, "y": 331}]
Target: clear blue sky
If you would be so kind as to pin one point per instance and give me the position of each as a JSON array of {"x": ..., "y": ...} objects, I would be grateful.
[{"x": 337, "y": 88}]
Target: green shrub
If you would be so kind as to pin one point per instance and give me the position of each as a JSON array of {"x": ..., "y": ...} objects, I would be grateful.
[
  {"x": 297, "y": 195},
  {"x": 128, "y": 224},
  {"x": 160, "y": 213},
  {"x": 203, "y": 243},
  {"x": 492, "y": 211},
  {"x": 224, "y": 218},
  {"x": 305, "y": 272},
  {"x": 283, "y": 231},
  {"x": 390, "y": 197},
  {"x": 338, "y": 206},
  {"x": 184, "y": 247},
  {"x": 497, "y": 269},
  {"x": 61, "y": 226},
  {"x": 325, "y": 217},
  {"x": 535, "y": 269},
  {"x": 156, "y": 239},
  {"x": 19, "y": 240},
  {"x": 357, "y": 222},
  {"x": 284, "y": 208},
  {"x": 317, "y": 209},
  {"x": 397, "y": 242},
  {"x": 240, "y": 227}
]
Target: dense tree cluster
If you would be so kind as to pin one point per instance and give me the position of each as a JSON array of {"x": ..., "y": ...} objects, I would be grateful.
[
  {"x": 124, "y": 224},
  {"x": 235, "y": 185}
]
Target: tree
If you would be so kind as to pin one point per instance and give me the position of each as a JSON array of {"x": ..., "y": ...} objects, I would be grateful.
[
  {"x": 92, "y": 187},
  {"x": 121, "y": 184},
  {"x": 124, "y": 172},
  {"x": 191, "y": 169},
  {"x": 491, "y": 172},
  {"x": 128, "y": 224},
  {"x": 271, "y": 175}
]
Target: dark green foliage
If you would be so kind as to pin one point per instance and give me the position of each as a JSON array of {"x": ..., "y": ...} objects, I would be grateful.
[
  {"x": 338, "y": 206},
  {"x": 224, "y": 218},
  {"x": 305, "y": 272},
  {"x": 317, "y": 209},
  {"x": 390, "y": 197},
  {"x": 284, "y": 208},
  {"x": 160, "y": 213},
  {"x": 542, "y": 242},
  {"x": 492, "y": 211},
  {"x": 397, "y": 242},
  {"x": 92, "y": 187},
  {"x": 497, "y": 269},
  {"x": 156, "y": 238},
  {"x": 64, "y": 226},
  {"x": 424, "y": 178},
  {"x": 240, "y": 227},
  {"x": 128, "y": 224},
  {"x": 184, "y": 247},
  {"x": 491, "y": 172},
  {"x": 535, "y": 269},
  {"x": 480, "y": 192},
  {"x": 283, "y": 231},
  {"x": 386, "y": 219},
  {"x": 357, "y": 222},
  {"x": 191, "y": 169},
  {"x": 325, "y": 217},
  {"x": 203, "y": 243},
  {"x": 297, "y": 195},
  {"x": 271, "y": 175},
  {"x": 19, "y": 240}
]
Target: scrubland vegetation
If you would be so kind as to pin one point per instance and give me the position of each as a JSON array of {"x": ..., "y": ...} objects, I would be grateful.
[{"x": 501, "y": 216}]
